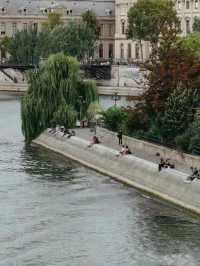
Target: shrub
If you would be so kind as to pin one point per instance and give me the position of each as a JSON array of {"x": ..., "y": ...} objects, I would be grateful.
[
  {"x": 137, "y": 119},
  {"x": 114, "y": 118},
  {"x": 183, "y": 141}
]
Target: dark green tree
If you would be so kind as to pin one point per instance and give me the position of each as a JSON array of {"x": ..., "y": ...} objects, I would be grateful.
[
  {"x": 75, "y": 39},
  {"x": 192, "y": 43},
  {"x": 89, "y": 18},
  {"x": 23, "y": 47},
  {"x": 152, "y": 20},
  {"x": 179, "y": 113},
  {"x": 54, "y": 20},
  {"x": 52, "y": 97},
  {"x": 114, "y": 118},
  {"x": 196, "y": 25}
]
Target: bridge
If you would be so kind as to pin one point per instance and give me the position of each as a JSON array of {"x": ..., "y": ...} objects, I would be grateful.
[
  {"x": 17, "y": 66},
  {"x": 93, "y": 71}
]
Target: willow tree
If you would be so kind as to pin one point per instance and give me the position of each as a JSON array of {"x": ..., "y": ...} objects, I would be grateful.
[{"x": 56, "y": 95}]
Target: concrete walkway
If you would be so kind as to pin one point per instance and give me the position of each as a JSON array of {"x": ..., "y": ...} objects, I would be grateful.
[{"x": 112, "y": 142}]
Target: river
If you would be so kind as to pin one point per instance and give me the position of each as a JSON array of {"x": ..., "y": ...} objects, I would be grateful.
[{"x": 56, "y": 212}]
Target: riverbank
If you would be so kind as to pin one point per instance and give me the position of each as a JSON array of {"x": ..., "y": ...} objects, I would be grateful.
[{"x": 169, "y": 185}]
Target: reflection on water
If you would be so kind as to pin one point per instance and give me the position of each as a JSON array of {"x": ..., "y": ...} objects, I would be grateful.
[{"x": 56, "y": 212}]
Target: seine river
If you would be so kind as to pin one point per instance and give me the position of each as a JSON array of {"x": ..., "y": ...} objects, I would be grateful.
[{"x": 56, "y": 212}]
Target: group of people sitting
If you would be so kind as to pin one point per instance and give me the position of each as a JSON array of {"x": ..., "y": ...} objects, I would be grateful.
[
  {"x": 165, "y": 164},
  {"x": 62, "y": 131},
  {"x": 124, "y": 151},
  {"x": 195, "y": 174}
]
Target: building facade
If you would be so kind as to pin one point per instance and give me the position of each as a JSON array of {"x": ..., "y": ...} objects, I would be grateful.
[
  {"x": 111, "y": 15},
  {"x": 22, "y": 14}
]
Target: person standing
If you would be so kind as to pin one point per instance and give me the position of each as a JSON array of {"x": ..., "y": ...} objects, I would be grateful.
[{"x": 119, "y": 135}]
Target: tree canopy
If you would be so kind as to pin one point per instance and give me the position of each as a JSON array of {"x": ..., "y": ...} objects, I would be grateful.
[
  {"x": 76, "y": 39},
  {"x": 89, "y": 18},
  {"x": 152, "y": 20},
  {"x": 53, "y": 20},
  {"x": 23, "y": 47},
  {"x": 53, "y": 96},
  {"x": 192, "y": 43},
  {"x": 196, "y": 25}
]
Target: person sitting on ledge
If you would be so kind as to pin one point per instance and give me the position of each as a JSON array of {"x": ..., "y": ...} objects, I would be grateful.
[
  {"x": 165, "y": 164},
  {"x": 161, "y": 164},
  {"x": 195, "y": 174},
  {"x": 122, "y": 152},
  {"x": 68, "y": 133},
  {"x": 127, "y": 150},
  {"x": 95, "y": 140},
  {"x": 168, "y": 164}
]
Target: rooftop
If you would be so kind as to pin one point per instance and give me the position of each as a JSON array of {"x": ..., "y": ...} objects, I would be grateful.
[{"x": 69, "y": 7}]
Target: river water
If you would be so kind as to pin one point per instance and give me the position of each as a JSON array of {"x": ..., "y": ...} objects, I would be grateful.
[{"x": 56, "y": 212}]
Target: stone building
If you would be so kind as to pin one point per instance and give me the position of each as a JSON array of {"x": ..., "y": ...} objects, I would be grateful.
[
  {"x": 111, "y": 14},
  {"x": 127, "y": 50},
  {"x": 21, "y": 14}
]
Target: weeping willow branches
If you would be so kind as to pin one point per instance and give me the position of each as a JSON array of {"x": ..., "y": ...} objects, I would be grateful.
[{"x": 56, "y": 95}]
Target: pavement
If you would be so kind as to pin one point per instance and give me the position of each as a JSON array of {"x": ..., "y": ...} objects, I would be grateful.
[{"x": 112, "y": 142}]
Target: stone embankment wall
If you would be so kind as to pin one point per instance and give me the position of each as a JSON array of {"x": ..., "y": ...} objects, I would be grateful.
[
  {"x": 13, "y": 87},
  {"x": 168, "y": 184},
  {"x": 152, "y": 149}
]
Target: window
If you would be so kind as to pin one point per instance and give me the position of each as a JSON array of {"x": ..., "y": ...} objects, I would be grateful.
[
  {"x": 187, "y": 4},
  {"x": 69, "y": 11},
  {"x": 129, "y": 51},
  {"x": 35, "y": 26},
  {"x": 100, "y": 50},
  {"x": 187, "y": 26},
  {"x": 3, "y": 28},
  {"x": 179, "y": 4},
  {"x": 3, "y": 54},
  {"x": 137, "y": 51},
  {"x": 3, "y": 10},
  {"x": 110, "y": 29},
  {"x": 122, "y": 51},
  {"x": 123, "y": 26},
  {"x": 110, "y": 50},
  {"x": 196, "y": 4},
  {"x": 14, "y": 28},
  {"x": 25, "y": 26},
  {"x": 101, "y": 30}
]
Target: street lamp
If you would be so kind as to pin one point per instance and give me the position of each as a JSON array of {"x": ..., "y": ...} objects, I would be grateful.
[
  {"x": 81, "y": 102},
  {"x": 116, "y": 97}
]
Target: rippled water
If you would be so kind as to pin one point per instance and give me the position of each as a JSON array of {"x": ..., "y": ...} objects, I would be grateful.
[{"x": 56, "y": 212}]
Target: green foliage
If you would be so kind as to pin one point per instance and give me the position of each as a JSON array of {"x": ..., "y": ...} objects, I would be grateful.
[
  {"x": 114, "y": 118},
  {"x": 196, "y": 25},
  {"x": 75, "y": 39},
  {"x": 23, "y": 47},
  {"x": 89, "y": 18},
  {"x": 65, "y": 115},
  {"x": 189, "y": 141},
  {"x": 178, "y": 114},
  {"x": 150, "y": 20},
  {"x": 54, "y": 20},
  {"x": 5, "y": 42},
  {"x": 194, "y": 146},
  {"x": 183, "y": 141},
  {"x": 192, "y": 43},
  {"x": 93, "y": 111},
  {"x": 52, "y": 95},
  {"x": 137, "y": 119}
]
